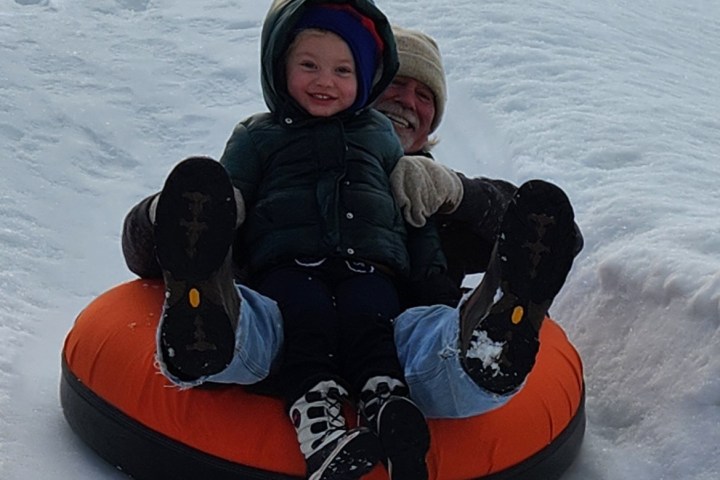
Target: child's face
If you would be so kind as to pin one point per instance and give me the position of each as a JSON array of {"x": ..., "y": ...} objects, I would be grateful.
[{"x": 321, "y": 73}]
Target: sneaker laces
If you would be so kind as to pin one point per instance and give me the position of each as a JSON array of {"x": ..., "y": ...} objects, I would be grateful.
[
  {"x": 376, "y": 392},
  {"x": 318, "y": 417}
]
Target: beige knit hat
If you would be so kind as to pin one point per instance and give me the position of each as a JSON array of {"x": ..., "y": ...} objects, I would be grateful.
[{"x": 420, "y": 59}]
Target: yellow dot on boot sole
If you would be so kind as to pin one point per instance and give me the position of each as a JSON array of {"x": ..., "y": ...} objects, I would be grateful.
[
  {"x": 517, "y": 315},
  {"x": 194, "y": 297}
]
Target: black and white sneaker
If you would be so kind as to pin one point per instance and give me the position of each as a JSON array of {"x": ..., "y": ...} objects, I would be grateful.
[
  {"x": 400, "y": 426},
  {"x": 194, "y": 229},
  {"x": 350, "y": 456},
  {"x": 332, "y": 452},
  {"x": 501, "y": 320}
]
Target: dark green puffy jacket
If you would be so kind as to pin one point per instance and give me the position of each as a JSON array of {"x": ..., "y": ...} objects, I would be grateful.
[{"x": 319, "y": 187}]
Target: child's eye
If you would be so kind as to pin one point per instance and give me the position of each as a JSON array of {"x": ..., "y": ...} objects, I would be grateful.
[
  {"x": 307, "y": 64},
  {"x": 344, "y": 70}
]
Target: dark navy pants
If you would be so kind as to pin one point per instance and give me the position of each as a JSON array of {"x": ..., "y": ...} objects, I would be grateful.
[{"x": 337, "y": 323}]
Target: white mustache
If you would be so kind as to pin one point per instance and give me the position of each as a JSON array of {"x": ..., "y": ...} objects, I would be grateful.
[{"x": 402, "y": 116}]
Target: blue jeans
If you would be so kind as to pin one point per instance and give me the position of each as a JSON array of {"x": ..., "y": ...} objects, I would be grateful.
[
  {"x": 427, "y": 345},
  {"x": 427, "y": 340},
  {"x": 258, "y": 343}
]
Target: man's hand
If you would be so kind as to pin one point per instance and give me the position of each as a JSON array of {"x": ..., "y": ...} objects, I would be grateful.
[{"x": 423, "y": 187}]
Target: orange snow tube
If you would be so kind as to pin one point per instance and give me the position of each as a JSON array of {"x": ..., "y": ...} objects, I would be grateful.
[{"x": 116, "y": 401}]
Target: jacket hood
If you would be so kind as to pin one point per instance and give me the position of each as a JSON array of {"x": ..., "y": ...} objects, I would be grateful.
[{"x": 277, "y": 33}]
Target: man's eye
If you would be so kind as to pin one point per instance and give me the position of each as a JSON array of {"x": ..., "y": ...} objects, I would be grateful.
[{"x": 425, "y": 97}]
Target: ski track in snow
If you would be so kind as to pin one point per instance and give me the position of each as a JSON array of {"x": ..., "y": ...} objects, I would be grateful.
[{"x": 615, "y": 101}]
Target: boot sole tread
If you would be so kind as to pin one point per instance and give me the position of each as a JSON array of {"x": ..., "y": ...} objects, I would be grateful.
[{"x": 197, "y": 206}]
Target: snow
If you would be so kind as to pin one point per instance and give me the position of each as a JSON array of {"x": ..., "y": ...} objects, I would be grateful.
[
  {"x": 486, "y": 350},
  {"x": 615, "y": 101}
]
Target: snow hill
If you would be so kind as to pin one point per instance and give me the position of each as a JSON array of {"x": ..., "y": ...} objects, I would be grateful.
[{"x": 615, "y": 101}]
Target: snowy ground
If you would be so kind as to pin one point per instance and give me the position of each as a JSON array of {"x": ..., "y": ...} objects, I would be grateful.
[{"x": 615, "y": 101}]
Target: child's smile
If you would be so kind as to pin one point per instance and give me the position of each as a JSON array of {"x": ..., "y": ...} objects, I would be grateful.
[{"x": 321, "y": 73}]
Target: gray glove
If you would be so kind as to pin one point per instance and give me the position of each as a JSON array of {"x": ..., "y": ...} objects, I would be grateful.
[{"x": 423, "y": 187}]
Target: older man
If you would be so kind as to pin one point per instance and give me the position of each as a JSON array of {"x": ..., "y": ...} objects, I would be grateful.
[
  {"x": 524, "y": 239},
  {"x": 415, "y": 103}
]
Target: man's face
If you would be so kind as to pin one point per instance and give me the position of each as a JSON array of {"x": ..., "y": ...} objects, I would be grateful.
[{"x": 411, "y": 107}]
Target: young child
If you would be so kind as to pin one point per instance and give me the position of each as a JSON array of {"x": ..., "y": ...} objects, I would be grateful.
[{"x": 309, "y": 183}]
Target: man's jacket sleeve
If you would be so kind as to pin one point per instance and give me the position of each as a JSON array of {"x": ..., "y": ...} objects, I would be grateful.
[{"x": 138, "y": 244}]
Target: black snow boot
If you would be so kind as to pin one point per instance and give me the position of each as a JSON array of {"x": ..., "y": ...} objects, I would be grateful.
[
  {"x": 501, "y": 320},
  {"x": 399, "y": 424},
  {"x": 331, "y": 450},
  {"x": 194, "y": 228}
]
